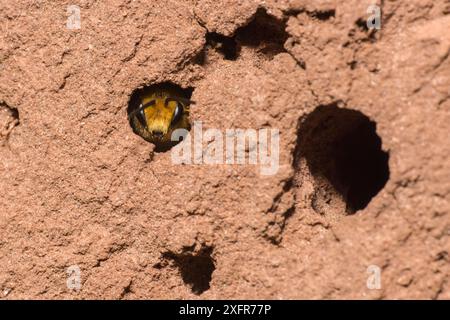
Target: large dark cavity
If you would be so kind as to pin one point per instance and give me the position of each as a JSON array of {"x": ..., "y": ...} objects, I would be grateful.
[
  {"x": 196, "y": 269},
  {"x": 342, "y": 146}
]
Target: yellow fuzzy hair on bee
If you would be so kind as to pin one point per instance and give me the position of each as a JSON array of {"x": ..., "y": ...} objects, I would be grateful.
[{"x": 156, "y": 111}]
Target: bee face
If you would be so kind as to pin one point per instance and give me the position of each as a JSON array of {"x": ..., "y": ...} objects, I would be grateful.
[{"x": 158, "y": 111}]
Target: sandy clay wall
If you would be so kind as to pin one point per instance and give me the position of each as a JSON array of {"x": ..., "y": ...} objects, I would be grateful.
[{"x": 359, "y": 205}]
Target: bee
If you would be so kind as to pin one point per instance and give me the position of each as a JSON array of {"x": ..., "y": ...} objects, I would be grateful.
[{"x": 156, "y": 111}]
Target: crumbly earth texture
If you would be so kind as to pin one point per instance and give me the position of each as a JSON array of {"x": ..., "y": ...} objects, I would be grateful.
[{"x": 84, "y": 198}]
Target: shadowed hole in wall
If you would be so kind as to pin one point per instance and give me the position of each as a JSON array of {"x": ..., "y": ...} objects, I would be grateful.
[
  {"x": 195, "y": 269},
  {"x": 264, "y": 33},
  {"x": 342, "y": 146},
  {"x": 227, "y": 46}
]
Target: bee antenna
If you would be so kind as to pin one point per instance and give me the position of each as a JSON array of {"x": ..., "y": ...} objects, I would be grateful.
[{"x": 186, "y": 101}]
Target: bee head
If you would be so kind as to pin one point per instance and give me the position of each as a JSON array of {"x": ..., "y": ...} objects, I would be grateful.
[{"x": 158, "y": 115}]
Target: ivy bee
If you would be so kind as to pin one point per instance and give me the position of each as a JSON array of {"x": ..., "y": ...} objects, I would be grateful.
[{"x": 156, "y": 111}]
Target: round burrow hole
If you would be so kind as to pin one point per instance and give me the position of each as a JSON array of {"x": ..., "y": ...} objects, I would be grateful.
[
  {"x": 155, "y": 112},
  {"x": 196, "y": 269},
  {"x": 344, "y": 155}
]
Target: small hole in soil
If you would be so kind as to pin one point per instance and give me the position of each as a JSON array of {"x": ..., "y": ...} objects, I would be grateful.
[
  {"x": 155, "y": 111},
  {"x": 362, "y": 24},
  {"x": 227, "y": 46},
  {"x": 362, "y": 32},
  {"x": 323, "y": 15},
  {"x": 264, "y": 33},
  {"x": 342, "y": 148},
  {"x": 196, "y": 270}
]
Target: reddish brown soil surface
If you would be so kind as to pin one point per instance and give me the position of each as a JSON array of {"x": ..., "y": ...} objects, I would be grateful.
[{"x": 364, "y": 178}]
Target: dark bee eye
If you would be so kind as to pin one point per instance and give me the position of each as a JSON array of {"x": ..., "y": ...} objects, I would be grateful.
[
  {"x": 177, "y": 113},
  {"x": 141, "y": 116}
]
